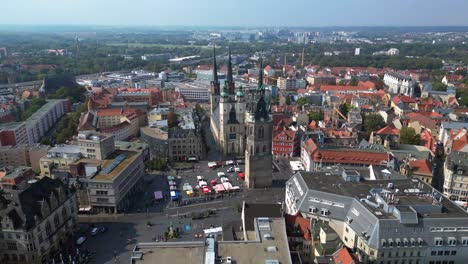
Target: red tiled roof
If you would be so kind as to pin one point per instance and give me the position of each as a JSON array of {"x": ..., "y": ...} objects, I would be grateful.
[
  {"x": 388, "y": 130},
  {"x": 421, "y": 166},
  {"x": 326, "y": 88},
  {"x": 310, "y": 146},
  {"x": 367, "y": 84},
  {"x": 342, "y": 256},
  {"x": 301, "y": 222},
  {"x": 423, "y": 120},
  {"x": 403, "y": 98},
  {"x": 128, "y": 112},
  {"x": 350, "y": 157}
]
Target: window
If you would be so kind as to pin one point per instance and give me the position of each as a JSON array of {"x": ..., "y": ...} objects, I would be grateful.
[
  {"x": 453, "y": 252},
  {"x": 433, "y": 253},
  {"x": 452, "y": 241},
  {"x": 12, "y": 246},
  {"x": 440, "y": 253},
  {"x": 446, "y": 253},
  {"x": 261, "y": 132},
  {"x": 438, "y": 241}
]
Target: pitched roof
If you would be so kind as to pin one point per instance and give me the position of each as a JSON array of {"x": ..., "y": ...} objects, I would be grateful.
[
  {"x": 345, "y": 156},
  {"x": 302, "y": 223},
  {"x": 404, "y": 99},
  {"x": 421, "y": 166},
  {"x": 326, "y": 88},
  {"x": 342, "y": 256},
  {"x": 423, "y": 120},
  {"x": 388, "y": 130}
]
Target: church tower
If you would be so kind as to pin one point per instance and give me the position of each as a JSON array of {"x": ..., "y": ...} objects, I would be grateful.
[
  {"x": 259, "y": 127},
  {"x": 214, "y": 87},
  {"x": 229, "y": 80}
]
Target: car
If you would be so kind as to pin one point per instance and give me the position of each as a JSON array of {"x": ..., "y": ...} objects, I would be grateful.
[
  {"x": 230, "y": 162},
  {"x": 224, "y": 179},
  {"x": 170, "y": 178},
  {"x": 173, "y": 188},
  {"x": 80, "y": 240},
  {"x": 200, "y": 178},
  {"x": 221, "y": 174},
  {"x": 230, "y": 169},
  {"x": 172, "y": 183},
  {"x": 228, "y": 260},
  {"x": 214, "y": 182},
  {"x": 237, "y": 169},
  {"x": 212, "y": 165},
  {"x": 94, "y": 231},
  {"x": 206, "y": 189},
  {"x": 202, "y": 183}
]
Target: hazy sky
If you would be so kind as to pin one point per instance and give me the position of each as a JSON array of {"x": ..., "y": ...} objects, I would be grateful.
[{"x": 237, "y": 12}]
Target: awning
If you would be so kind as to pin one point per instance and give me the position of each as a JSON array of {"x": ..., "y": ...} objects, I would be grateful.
[
  {"x": 158, "y": 195},
  {"x": 85, "y": 209}
]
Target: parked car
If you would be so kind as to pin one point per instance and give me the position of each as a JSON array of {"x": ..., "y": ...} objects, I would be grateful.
[
  {"x": 94, "y": 231},
  {"x": 199, "y": 177},
  {"x": 173, "y": 188},
  {"x": 230, "y": 162},
  {"x": 237, "y": 169},
  {"x": 172, "y": 183},
  {"x": 230, "y": 169},
  {"x": 80, "y": 240},
  {"x": 170, "y": 178},
  {"x": 212, "y": 165},
  {"x": 214, "y": 182},
  {"x": 224, "y": 179},
  {"x": 206, "y": 189},
  {"x": 221, "y": 174},
  {"x": 228, "y": 260}
]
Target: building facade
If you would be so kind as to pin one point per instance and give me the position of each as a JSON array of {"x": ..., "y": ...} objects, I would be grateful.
[
  {"x": 45, "y": 118},
  {"x": 383, "y": 221},
  {"x": 13, "y": 134},
  {"x": 36, "y": 221},
  {"x": 399, "y": 84},
  {"x": 456, "y": 176}
]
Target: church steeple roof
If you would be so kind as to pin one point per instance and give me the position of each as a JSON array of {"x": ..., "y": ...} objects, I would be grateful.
[
  {"x": 263, "y": 108},
  {"x": 215, "y": 67},
  {"x": 260, "y": 77},
  {"x": 229, "y": 70}
]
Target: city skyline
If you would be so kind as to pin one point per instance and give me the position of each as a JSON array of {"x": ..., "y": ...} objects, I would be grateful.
[{"x": 253, "y": 14}]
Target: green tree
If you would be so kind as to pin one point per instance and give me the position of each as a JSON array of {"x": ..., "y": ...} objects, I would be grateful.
[
  {"x": 314, "y": 116},
  {"x": 354, "y": 82},
  {"x": 373, "y": 122},
  {"x": 341, "y": 82},
  {"x": 301, "y": 102},
  {"x": 288, "y": 100},
  {"x": 408, "y": 136},
  {"x": 438, "y": 86},
  {"x": 345, "y": 108},
  {"x": 172, "y": 119}
]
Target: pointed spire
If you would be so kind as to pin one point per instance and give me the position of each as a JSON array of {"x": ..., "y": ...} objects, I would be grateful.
[
  {"x": 260, "y": 77},
  {"x": 215, "y": 67},
  {"x": 229, "y": 73}
]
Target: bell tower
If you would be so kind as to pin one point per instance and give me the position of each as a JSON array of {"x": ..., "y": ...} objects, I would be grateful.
[
  {"x": 259, "y": 128},
  {"x": 214, "y": 86}
]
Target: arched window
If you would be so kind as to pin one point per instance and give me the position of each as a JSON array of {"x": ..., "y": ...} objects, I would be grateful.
[
  {"x": 251, "y": 130},
  {"x": 264, "y": 149},
  {"x": 261, "y": 132},
  {"x": 232, "y": 147}
]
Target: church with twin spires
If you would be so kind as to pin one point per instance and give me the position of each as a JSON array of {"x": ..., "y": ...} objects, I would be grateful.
[{"x": 241, "y": 124}]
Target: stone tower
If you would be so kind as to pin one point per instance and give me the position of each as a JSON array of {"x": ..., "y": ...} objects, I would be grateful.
[
  {"x": 214, "y": 87},
  {"x": 259, "y": 127}
]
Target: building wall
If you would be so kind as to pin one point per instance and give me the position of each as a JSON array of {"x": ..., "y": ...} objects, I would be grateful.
[
  {"x": 34, "y": 245},
  {"x": 13, "y": 156}
]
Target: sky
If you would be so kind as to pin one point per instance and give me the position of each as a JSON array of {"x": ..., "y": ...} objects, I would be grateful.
[{"x": 250, "y": 13}]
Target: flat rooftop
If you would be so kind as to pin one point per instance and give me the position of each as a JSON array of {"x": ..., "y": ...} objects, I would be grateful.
[
  {"x": 258, "y": 251},
  {"x": 172, "y": 252},
  {"x": 130, "y": 156},
  {"x": 10, "y": 126},
  {"x": 408, "y": 191}
]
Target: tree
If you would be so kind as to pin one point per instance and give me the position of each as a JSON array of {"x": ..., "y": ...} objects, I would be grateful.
[
  {"x": 345, "y": 108},
  {"x": 408, "y": 136},
  {"x": 354, "y": 82},
  {"x": 314, "y": 116},
  {"x": 301, "y": 102},
  {"x": 438, "y": 86},
  {"x": 288, "y": 100},
  {"x": 172, "y": 119},
  {"x": 341, "y": 82},
  {"x": 373, "y": 122}
]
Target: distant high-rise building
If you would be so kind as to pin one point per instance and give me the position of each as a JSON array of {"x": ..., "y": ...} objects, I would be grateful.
[{"x": 357, "y": 51}]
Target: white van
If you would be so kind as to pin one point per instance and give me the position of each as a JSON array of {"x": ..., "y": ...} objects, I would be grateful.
[{"x": 212, "y": 165}]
